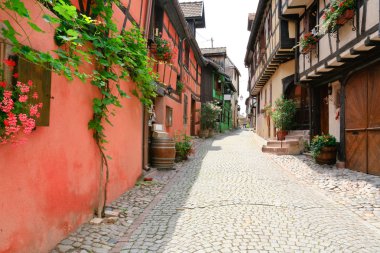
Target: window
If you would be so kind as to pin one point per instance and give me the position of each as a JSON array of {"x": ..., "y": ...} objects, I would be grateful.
[
  {"x": 185, "y": 102},
  {"x": 310, "y": 20},
  {"x": 156, "y": 24},
  {"x": 187, "y": 55},
  {"x": 169, "y": 116},
  {"x": 26, "y": 70}
]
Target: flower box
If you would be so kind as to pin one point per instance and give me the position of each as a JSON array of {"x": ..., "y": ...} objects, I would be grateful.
[
  {"x": 345, "y": 17},
  {"x": 308, "y": 48}
]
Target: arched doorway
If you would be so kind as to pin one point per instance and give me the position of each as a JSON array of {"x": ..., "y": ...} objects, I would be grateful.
[{"x": 362, "y": 121}]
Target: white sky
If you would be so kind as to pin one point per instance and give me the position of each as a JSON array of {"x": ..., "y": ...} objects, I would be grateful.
[{"x": 226, "y": 23}]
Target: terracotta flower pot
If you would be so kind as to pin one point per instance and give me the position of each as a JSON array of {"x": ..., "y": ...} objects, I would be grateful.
[
  {"x": 308, "y": 48},
  {"x": 346, "y": 16},
  {"x": 327, "y": 156},
  {"x": 281, "y": 134}
]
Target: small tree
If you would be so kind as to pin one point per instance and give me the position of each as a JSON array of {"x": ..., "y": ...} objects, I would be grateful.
[
  {"x": 209, "y": 114},
  {"x": 283, "y": 113}
]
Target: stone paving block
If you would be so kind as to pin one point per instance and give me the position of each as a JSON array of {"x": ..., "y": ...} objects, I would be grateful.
[{"x": 231, "y": 197}]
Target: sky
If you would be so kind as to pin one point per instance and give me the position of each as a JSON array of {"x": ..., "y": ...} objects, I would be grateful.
[{"x": 226, "y": 23}]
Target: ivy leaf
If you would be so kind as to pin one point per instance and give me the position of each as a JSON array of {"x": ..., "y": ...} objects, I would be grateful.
[
  {"x": 35, "y": 27},
  {"x": 10, "y": 32},
  {"x": 72, "y": 33},
  {"x": 50, "y": 19},
  {"x": 69, "y": 12},
  {"x": 18, "y": 7}
]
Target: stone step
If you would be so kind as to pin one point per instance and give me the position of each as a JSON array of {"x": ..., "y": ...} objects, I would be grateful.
[
  {"x": 275, "y": 150},
  {"x": 285, "y": 143},
  {"x": 294, "y": 137},
  {"x": 298, "y": 132}
]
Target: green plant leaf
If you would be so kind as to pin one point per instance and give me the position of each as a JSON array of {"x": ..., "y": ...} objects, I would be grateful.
[{"x": 35, "y": 27}]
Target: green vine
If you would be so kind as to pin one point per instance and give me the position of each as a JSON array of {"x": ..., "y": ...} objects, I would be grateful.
[{"x": 94, "y": 39}]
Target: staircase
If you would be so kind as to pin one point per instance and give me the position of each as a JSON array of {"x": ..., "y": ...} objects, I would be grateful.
[{"x": 292, "y": 145}]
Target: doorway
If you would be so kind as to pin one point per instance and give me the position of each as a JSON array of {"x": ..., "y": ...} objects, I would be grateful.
[{"x": 362, "y": 121}]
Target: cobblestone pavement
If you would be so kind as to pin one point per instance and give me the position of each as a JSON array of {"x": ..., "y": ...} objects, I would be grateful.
[
  {"x": 232, "y": 198},
  {"x": 100, "y": 238}
]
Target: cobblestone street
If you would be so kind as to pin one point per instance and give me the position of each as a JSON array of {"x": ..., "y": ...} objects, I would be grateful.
[{"x": 230, "y": 197}]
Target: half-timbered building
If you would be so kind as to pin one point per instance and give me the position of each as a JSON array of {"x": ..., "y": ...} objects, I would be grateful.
[
  {"x": 341, "y": 74},
  {"x": 270, "y": 60}
]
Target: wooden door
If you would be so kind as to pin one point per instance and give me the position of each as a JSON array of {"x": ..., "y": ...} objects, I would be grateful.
[
  {"x": 324, "y": 109},
  {"x": 362, "y": 119},
  {"x": 356, "y": 122},
  {"x": 192, "y": 124},
  {"x": 374, "y": 120}
]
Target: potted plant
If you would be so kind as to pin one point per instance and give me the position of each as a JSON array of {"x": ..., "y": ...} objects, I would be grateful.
[
  {"x": 183, "y": 147},
  {"x": 323, "y": 148},
  {"x": 308, "y": 42},
  {"x": 337, "y": 14},
  {"x": 163, "y": 50},
  {"x": 179, "y": 87},
  {"x": 210, "y": 112},
  {"x": 283, "y": 116}
]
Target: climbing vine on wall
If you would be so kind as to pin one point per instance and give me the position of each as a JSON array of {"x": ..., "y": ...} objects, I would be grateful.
[{"x": 86, "y": 39}]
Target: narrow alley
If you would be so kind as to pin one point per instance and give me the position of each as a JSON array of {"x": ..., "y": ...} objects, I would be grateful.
[{"x": 230, "y": 197}]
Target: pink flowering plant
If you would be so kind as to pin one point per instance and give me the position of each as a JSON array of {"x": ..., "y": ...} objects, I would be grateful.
[{"x": 19, "y": 109}]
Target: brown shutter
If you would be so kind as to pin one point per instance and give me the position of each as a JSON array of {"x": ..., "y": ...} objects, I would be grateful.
[{"x": 41, "y": 78}]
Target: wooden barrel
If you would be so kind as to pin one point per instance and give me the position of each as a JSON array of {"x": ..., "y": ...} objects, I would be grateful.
[
  {"x": 162, "y": 151},
  {"x": 327, "y": 156}
]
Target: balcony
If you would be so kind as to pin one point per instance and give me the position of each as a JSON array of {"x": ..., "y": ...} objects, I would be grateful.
[{"x": 291, "y": 7}]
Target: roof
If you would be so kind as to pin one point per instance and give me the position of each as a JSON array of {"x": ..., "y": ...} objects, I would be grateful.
[
  {"x": 251, "y": 18},
  {"x": 214, "y": 51},
  {"x": 255, "y": 27},
  {"x": 194, "y": 11},
  {"x": 230, "y": 64},
  {"x": 220, "y": 70}
]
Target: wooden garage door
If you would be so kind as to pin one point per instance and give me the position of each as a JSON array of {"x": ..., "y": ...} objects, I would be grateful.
[{"x": 363, "y": 121}]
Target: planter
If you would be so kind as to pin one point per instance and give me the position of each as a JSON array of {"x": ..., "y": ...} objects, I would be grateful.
[
  {"x": 211, "y": 132},
  {"x": 327, "y": 156},
  {"x": 345, "y": 17},
  {"x": 204, "y": 133},
  {"x": 281, "y": 134},
  {"x": 308, "y": 48}
]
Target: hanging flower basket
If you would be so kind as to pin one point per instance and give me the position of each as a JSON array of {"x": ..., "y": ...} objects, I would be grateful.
[
  {"x": 337, "y": 14},
  {"x": 347, "y": 15},
  {"x": 308, "y": 48},
  {"x": 308, "y": 42},
  {"x": 162, "y": 50}
]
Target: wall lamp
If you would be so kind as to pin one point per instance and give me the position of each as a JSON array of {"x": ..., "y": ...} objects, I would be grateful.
[{"x": 169, "y": 90}]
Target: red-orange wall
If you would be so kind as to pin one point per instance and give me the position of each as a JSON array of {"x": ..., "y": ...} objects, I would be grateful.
[
  {"x": 49, "y": 185},
  {"x": 168, "y": 76}
]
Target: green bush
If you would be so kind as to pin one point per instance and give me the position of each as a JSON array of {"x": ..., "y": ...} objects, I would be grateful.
[
  {"x": 183, "y": 145},
  {"x": 320, "y": 141},
  {"x": 283, "y": 113},
  {"x": 210, "y": 113}
]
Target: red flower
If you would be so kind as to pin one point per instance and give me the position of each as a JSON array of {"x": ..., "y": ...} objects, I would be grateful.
[
  {"x": 3, "y": 84},
  {"x": 10, "y": 63},
  {"x": 6, "y": 122},
  {"x": 15, "y": 75}
]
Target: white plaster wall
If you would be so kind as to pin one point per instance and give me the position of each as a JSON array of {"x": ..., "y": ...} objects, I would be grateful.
[
  {"x": 283, "y": 71},
  {"x": 334, "y": 100}
]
